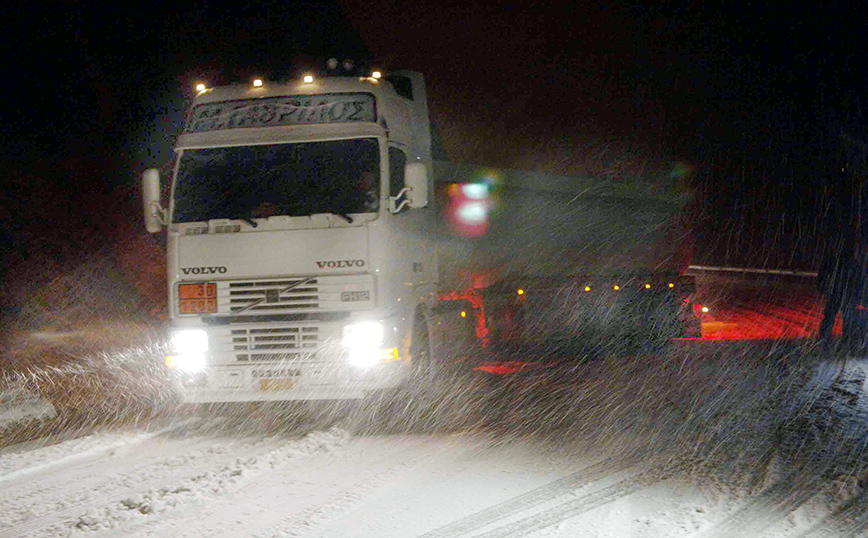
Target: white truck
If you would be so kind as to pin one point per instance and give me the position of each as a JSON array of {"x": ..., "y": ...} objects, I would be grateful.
[
  {"x": 310, "y": 256},
  {"x": 299, "y": 251}
]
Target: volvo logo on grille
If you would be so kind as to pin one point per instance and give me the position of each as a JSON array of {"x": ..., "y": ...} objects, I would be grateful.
[
  {"x": 272, "y": 296},
  {"x": 335, "y": 264}
]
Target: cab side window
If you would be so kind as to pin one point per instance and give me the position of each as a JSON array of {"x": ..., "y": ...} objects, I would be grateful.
[{"x": 397, "y": 162}]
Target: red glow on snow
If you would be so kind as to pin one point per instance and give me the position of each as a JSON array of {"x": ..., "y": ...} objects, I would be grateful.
[
  {"x": 510, "y": 367},
  {"x": 795, "y": 319}
]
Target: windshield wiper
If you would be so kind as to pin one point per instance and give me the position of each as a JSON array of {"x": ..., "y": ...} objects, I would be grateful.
[
  {"x": 341, "y": 214},
  {"x": 344, "y": 216}
]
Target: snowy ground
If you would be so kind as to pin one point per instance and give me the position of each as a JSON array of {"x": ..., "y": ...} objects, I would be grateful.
[
  {"x": 567, "y": 456},
  {"x": 714, "y": 438}
]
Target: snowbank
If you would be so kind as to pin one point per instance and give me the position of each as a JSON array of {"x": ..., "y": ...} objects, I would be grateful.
[{"x": 18, "y": 405}]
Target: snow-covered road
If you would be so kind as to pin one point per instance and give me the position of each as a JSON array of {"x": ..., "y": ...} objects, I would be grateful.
[
  {"x": 177, "y": 482},
  {"x": 754, "y": 432},
  {"x": 217, "y": 476}
]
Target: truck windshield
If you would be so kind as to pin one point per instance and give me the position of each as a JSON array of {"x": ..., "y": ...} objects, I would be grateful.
[{"x": 246, "y": 182}]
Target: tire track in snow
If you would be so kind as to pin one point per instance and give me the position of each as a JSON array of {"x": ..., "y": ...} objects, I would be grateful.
[
  {"x": 530, "y": 499},
  {"x": 126, "y": 513},
  {"x": 78, "y": 473},
  {"x": 75, "y": 485},
  {"x": 77, "y": 458},
  {"x": 585, "y": 503},
  {"x": 564, "y": 510},
  {"x": 849, "y": 521},
  {"x": 312, "y": 518},
  {"x": 314, "y": 494},
  {"x": 770, "y": 507},
  {"x": 67, "y": 510}
]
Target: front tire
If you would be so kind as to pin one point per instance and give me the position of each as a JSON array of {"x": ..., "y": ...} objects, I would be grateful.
[{"x": 422, "y": 359}]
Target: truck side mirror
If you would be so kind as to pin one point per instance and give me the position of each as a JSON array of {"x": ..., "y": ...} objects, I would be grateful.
[
  {"x": 155, "y": 215},
  {"x": 416, "y": 178},
  {"x": 415, "y": 194}
]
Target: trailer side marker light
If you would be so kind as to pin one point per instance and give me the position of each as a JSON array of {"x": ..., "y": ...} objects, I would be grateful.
[
  {"x": 463, "y": 314},
  {"x": 616, "y": 287},
  {"x": 671, "y": 285},
  {"x": 587, "y": 288},
  {"x": 647, "y": 286},
  {"x": 520, "y": 291}
]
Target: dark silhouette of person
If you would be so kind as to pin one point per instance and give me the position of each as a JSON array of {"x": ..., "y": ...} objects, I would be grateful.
[
  {"x": 367, "y": 191},
  {"x": 841, "y": 268}
]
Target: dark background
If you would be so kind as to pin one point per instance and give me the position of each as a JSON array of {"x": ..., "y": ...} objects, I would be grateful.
[{"x": 744, "y": 103}]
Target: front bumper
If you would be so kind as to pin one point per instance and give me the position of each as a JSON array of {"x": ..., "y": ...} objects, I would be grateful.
[
  {"x": 285, "y": 361},
  {"x": 288, "y": 381}
]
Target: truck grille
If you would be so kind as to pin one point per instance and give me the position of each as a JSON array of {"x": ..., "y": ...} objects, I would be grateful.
[
  {"x": 268, "y": 296},
  {"x": 273, "y": 342},
  {"x": 320, "y": 294}
]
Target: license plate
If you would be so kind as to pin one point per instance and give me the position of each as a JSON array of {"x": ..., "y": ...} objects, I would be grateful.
[
  {"x": 276, "y": 384},
  {"x": 275, "y": 373}
]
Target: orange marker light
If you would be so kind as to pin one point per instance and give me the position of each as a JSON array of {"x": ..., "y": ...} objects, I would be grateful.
[
  {"x": 201, "y": 87},
  {"x": 587, "y": 288},
  {"x": 308, "y": 79},
  {"x": 463, "y": 314},
  {"x": 647, "y": 286},
  {"x": 257, "y": 82},
  {"x": 616, "y": 287},
  {"x": 671, "y": 285},
  {"x": 520, "y": 291}
]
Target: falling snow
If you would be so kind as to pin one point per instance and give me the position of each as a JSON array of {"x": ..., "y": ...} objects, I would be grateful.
[{"x": 736, "y": 434}]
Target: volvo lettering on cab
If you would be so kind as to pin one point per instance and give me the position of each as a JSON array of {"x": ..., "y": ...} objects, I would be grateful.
[
  {"x": 203, "y": 270},
  {"x": 340, "y": 264}
]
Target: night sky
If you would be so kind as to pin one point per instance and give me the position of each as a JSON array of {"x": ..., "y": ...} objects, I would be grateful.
[{"x": 740, "y": 101}]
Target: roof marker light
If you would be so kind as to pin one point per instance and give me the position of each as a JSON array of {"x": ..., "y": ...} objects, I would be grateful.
[
  {"x": 376, "y": 73},
  {"x": 308, "y": 79},
  {"x": 257, "y": 82},
  {"x": 705, "y": 309},
  {"x": 201, "y": 87}
]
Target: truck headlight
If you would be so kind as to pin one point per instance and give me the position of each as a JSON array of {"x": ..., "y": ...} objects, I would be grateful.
[
  {"x": 188, "y": 350},
  {"x": 368, "y": 334},
  {"x": 363, "y": 341},
  {"x": 192, "y": 341}
]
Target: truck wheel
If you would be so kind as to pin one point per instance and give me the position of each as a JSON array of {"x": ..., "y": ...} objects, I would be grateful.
[{"x": 421, "y": 352}]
